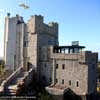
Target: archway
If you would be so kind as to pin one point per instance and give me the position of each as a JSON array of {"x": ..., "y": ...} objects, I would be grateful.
[
  {"x": 29, "y": 65},
  {"x": 70, "y": 95}
]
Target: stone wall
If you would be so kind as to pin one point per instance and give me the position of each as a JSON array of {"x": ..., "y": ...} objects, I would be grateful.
[
  {"x": 76, "y": 71},
  {"x": 13, "y": 42},
  {"x": 39, "y": 34}
]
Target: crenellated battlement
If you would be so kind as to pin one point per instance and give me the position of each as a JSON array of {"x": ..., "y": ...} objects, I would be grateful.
[{"x": 37, "y": 25}]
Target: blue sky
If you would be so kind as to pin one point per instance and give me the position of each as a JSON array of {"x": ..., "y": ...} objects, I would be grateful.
[{"x": 78, "y": 19}]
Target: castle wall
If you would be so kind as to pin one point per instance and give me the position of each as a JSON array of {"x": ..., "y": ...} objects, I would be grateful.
[
  {"x": 30, "y": 44},
  {"x": 12, "y": 41},
  {"x": 92, "y": 73},
  {"x": 74, "y": 71},
  {"x": 19, "y": 46},
  {"x": 40, "y": 34}
]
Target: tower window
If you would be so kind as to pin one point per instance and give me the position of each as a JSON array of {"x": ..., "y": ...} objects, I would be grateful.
[
  {"x": 77, "y": 84},
  {"x": 56, "y": 66},
  {"x": 63, "y": 66},
  {"x": 32, "y": 33},
  {"x": 62, "y": 81},
  {"x": 45, "y": 65},
  {"x": 25, "y": 43},
  {"x": 56, "y": 80},
  {"x": 70, "y": 82}
]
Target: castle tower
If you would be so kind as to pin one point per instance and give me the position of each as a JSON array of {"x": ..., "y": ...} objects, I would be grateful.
[
  {"x": 13, "y": 42},
  {"x": 39, "y": 35}
]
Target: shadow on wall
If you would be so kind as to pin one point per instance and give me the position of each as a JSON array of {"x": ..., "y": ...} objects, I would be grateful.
[{"x": 70, "y": 95}]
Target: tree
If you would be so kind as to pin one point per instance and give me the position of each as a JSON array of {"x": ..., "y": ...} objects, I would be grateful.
[{"x": 2, "y": 63}]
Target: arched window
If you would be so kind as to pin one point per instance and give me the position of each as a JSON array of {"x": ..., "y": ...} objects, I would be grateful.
[
  {"x": 63, "y": 66},
  {"x": 77, "y": 84},
  {"x": 62, "y": 81}
]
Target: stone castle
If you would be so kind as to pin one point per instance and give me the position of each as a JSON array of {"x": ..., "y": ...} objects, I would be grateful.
[{"x": 35, "y": 45}]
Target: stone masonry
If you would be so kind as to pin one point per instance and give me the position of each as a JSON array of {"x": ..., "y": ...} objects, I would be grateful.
[
  {"x": 76, "y": 71},
  {"x": 35, "y": 44}
]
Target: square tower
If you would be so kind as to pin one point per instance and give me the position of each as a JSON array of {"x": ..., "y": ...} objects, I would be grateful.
[
  {"x": 39, "y": 35},
  {"x": 13, "y": 42}
]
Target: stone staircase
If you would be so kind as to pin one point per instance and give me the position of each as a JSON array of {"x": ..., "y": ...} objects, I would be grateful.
[
  {"x": 13, "y": 84},
  {"x": 12, "y": 87}
]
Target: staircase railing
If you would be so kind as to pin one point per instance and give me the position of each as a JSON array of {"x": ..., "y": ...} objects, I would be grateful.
[{"x": 10, "y": 78}]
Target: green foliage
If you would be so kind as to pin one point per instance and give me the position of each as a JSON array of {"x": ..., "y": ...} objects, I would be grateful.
[
  {"x": 45, "y": 96},
  {"x": 2, "y": 64}
]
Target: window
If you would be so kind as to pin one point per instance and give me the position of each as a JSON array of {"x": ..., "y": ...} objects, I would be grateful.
[
  {"x": 62, "y": 81},
  {"x": 25, "y": 43},
  {"x": 45, "y": 65},
  {"x": 56, "y": 80},
  {"x": 33, "y": 33},
  {"x": 63, "y": 66},
  {"x": 77, "y": 84},
  {"x": 56, "y": 66},
  {"x": 70, "y": 82}
]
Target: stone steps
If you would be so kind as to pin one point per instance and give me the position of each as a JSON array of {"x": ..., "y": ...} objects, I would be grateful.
[{"x": 12, "y": 88}]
